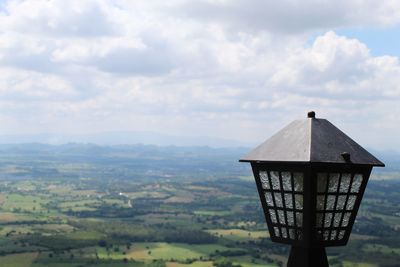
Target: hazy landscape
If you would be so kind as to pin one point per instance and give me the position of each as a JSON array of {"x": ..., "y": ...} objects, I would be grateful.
[
  {"x": 136, "y": 205},
  {"x": 122, "y": 123}
]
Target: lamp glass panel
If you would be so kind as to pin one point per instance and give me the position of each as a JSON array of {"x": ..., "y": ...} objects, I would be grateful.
[
  {"x": 341, "y": 202},
  {"x": 283, "y": 193},
  {"x": 336, "y": 198},
  {"x": 357, "y": 180},
  {"x": 276, "y": 184},
  {"x": 288, "y": 201},
  {"x": 319, "y": 218},
  {"x": 299, "y": 201},
  {"x": 284, "y": 232},
  {"x": 333, "y": 182},
  {"x": 336, "y": 219},
  {"x": 350, "y": 202},
  {"x": 272, "y": 214},
  {"x": 298, "y": 181},
  {"x": 330, "y": 203},
  {"x": 345, "y": 183},
  {"x": 276, "y": 232},
  {"x": 299, "y": 219},
  {"x": 346, "y": 219},
  {"x": 341, "y": 234},
  {"x": 299, "y": 234},
  {"x": 286, "y": 181},
  {"x": 333, "y": 234},
  {"x": 291, "y": 233},
  {"x": 290, "y": 218},
  {"x": 264, "y": 180},
  {"x": 326, "y": 235},
  {"x": 281, "y": 217},
  {"x": 278, "y": 199},
  {"x": 268, "y": 197},
  {"x": 320, "y": 202},
  {"x": 328, "y": 219},
  {"x": 322, "y": 179}
]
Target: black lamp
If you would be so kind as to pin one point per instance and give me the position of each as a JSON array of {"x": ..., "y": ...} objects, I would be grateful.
[{"x": 311, "y": 178}]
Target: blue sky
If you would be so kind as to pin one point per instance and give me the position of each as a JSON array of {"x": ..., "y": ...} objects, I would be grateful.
[
  {"x": 237, "y": 69},
  {"x": 381, "y": 41}
]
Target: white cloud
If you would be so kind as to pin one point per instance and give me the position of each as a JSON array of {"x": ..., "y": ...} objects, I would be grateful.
[
  {"x": 289, "y": 16},
  {"x": 72, "y": 18},
  {"x": 83, "y": 66}
]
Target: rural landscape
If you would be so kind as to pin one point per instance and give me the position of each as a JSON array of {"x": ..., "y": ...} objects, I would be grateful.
[
  {"x": 122, "y": 124},
  {"x": 81, "y": 205}
]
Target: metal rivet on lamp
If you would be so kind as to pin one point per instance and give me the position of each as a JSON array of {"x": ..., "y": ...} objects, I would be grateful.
[{"x": 310, "y": 177}]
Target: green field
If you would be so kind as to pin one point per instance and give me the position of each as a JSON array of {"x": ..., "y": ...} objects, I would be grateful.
[
  {"x": 18, "y": 260},
  {"x": 239, "y": 234},
  {"x": 108, "y": 207}
]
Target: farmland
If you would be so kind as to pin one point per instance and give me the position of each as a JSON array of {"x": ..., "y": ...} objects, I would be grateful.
[{"x": 85, "y": 205}]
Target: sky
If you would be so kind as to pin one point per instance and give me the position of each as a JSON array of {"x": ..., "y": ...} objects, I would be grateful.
[{"x": 235, "y": 69}]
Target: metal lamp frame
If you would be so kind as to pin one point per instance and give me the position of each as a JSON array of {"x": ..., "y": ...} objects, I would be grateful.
[{"x": 309, "y": 250}]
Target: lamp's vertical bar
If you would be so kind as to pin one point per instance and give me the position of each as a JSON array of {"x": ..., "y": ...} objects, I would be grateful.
[
  {"x": 308, "y": 196},
  {"x": 325, "y": 204},
  {"x": 312, "y": 204}
]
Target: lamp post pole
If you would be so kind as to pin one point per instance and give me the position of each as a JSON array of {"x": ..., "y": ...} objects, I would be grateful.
[{"x": 311, "y": 178}]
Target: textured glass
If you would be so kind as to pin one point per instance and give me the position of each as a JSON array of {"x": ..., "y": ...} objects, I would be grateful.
[
  {"x": 289, "y": 201},
  {"x": 298, "y": 181},
  {"x": 276, "y": 231},
  {"x": 321, "y": 182},
  {"x": 278, "y": 200},
  {"x": 336, "y": 219},
  {"x": 330, "y": 203},
  {"x": 319, "y": 218},
  {"x": 345, "y": 183},
  {"x": 299, "y": 235},
  {"x": 333, "y": 182},
  {"x": 290, "y": 218},
  {"x": 268, "y": 197},
  {"x": 286, "y": 181},
  {"x": 320, "y": 202},
  {"x": 341, "y": 202},
  {"x": 264, "y": 180},
  {"x": 284, "y": 232},
  {"x": 291, "y": 234},
  {"x": 299, "y": 219},
  {"x": 272, "y": 214},
  {"x": 350, "y": 202},
  {"x": 333, "y": 234},
  {"x": 298, "y": 201},
  {"x": 281, "y": 217},
  {"x": 341, "y": 234},
  {"x": 346, "y": 219},
  {"x": 357, "y": 180},
  {"x": 276, "y": 185},
  {"x": 328, "y": 219},
  {"x": 319, "y": 234},
  {"x": 326, "y": 235}
]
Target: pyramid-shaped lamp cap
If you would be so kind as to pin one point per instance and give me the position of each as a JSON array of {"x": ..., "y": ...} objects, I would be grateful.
[{"x": 311, "y": 140}]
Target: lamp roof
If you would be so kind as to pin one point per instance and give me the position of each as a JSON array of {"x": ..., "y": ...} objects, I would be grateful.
[{"x": 311, "y": 140}]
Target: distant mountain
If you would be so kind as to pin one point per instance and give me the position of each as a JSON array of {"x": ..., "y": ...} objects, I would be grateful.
[
  {"x": 141, "y": 158},
  {"x": 390, "y": 158},
  {"x": 119, "y": 138},
  {"x": 35, "y": 160}
]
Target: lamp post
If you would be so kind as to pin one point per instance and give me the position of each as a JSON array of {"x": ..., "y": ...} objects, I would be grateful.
[{"x": 310, "y": 178}]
